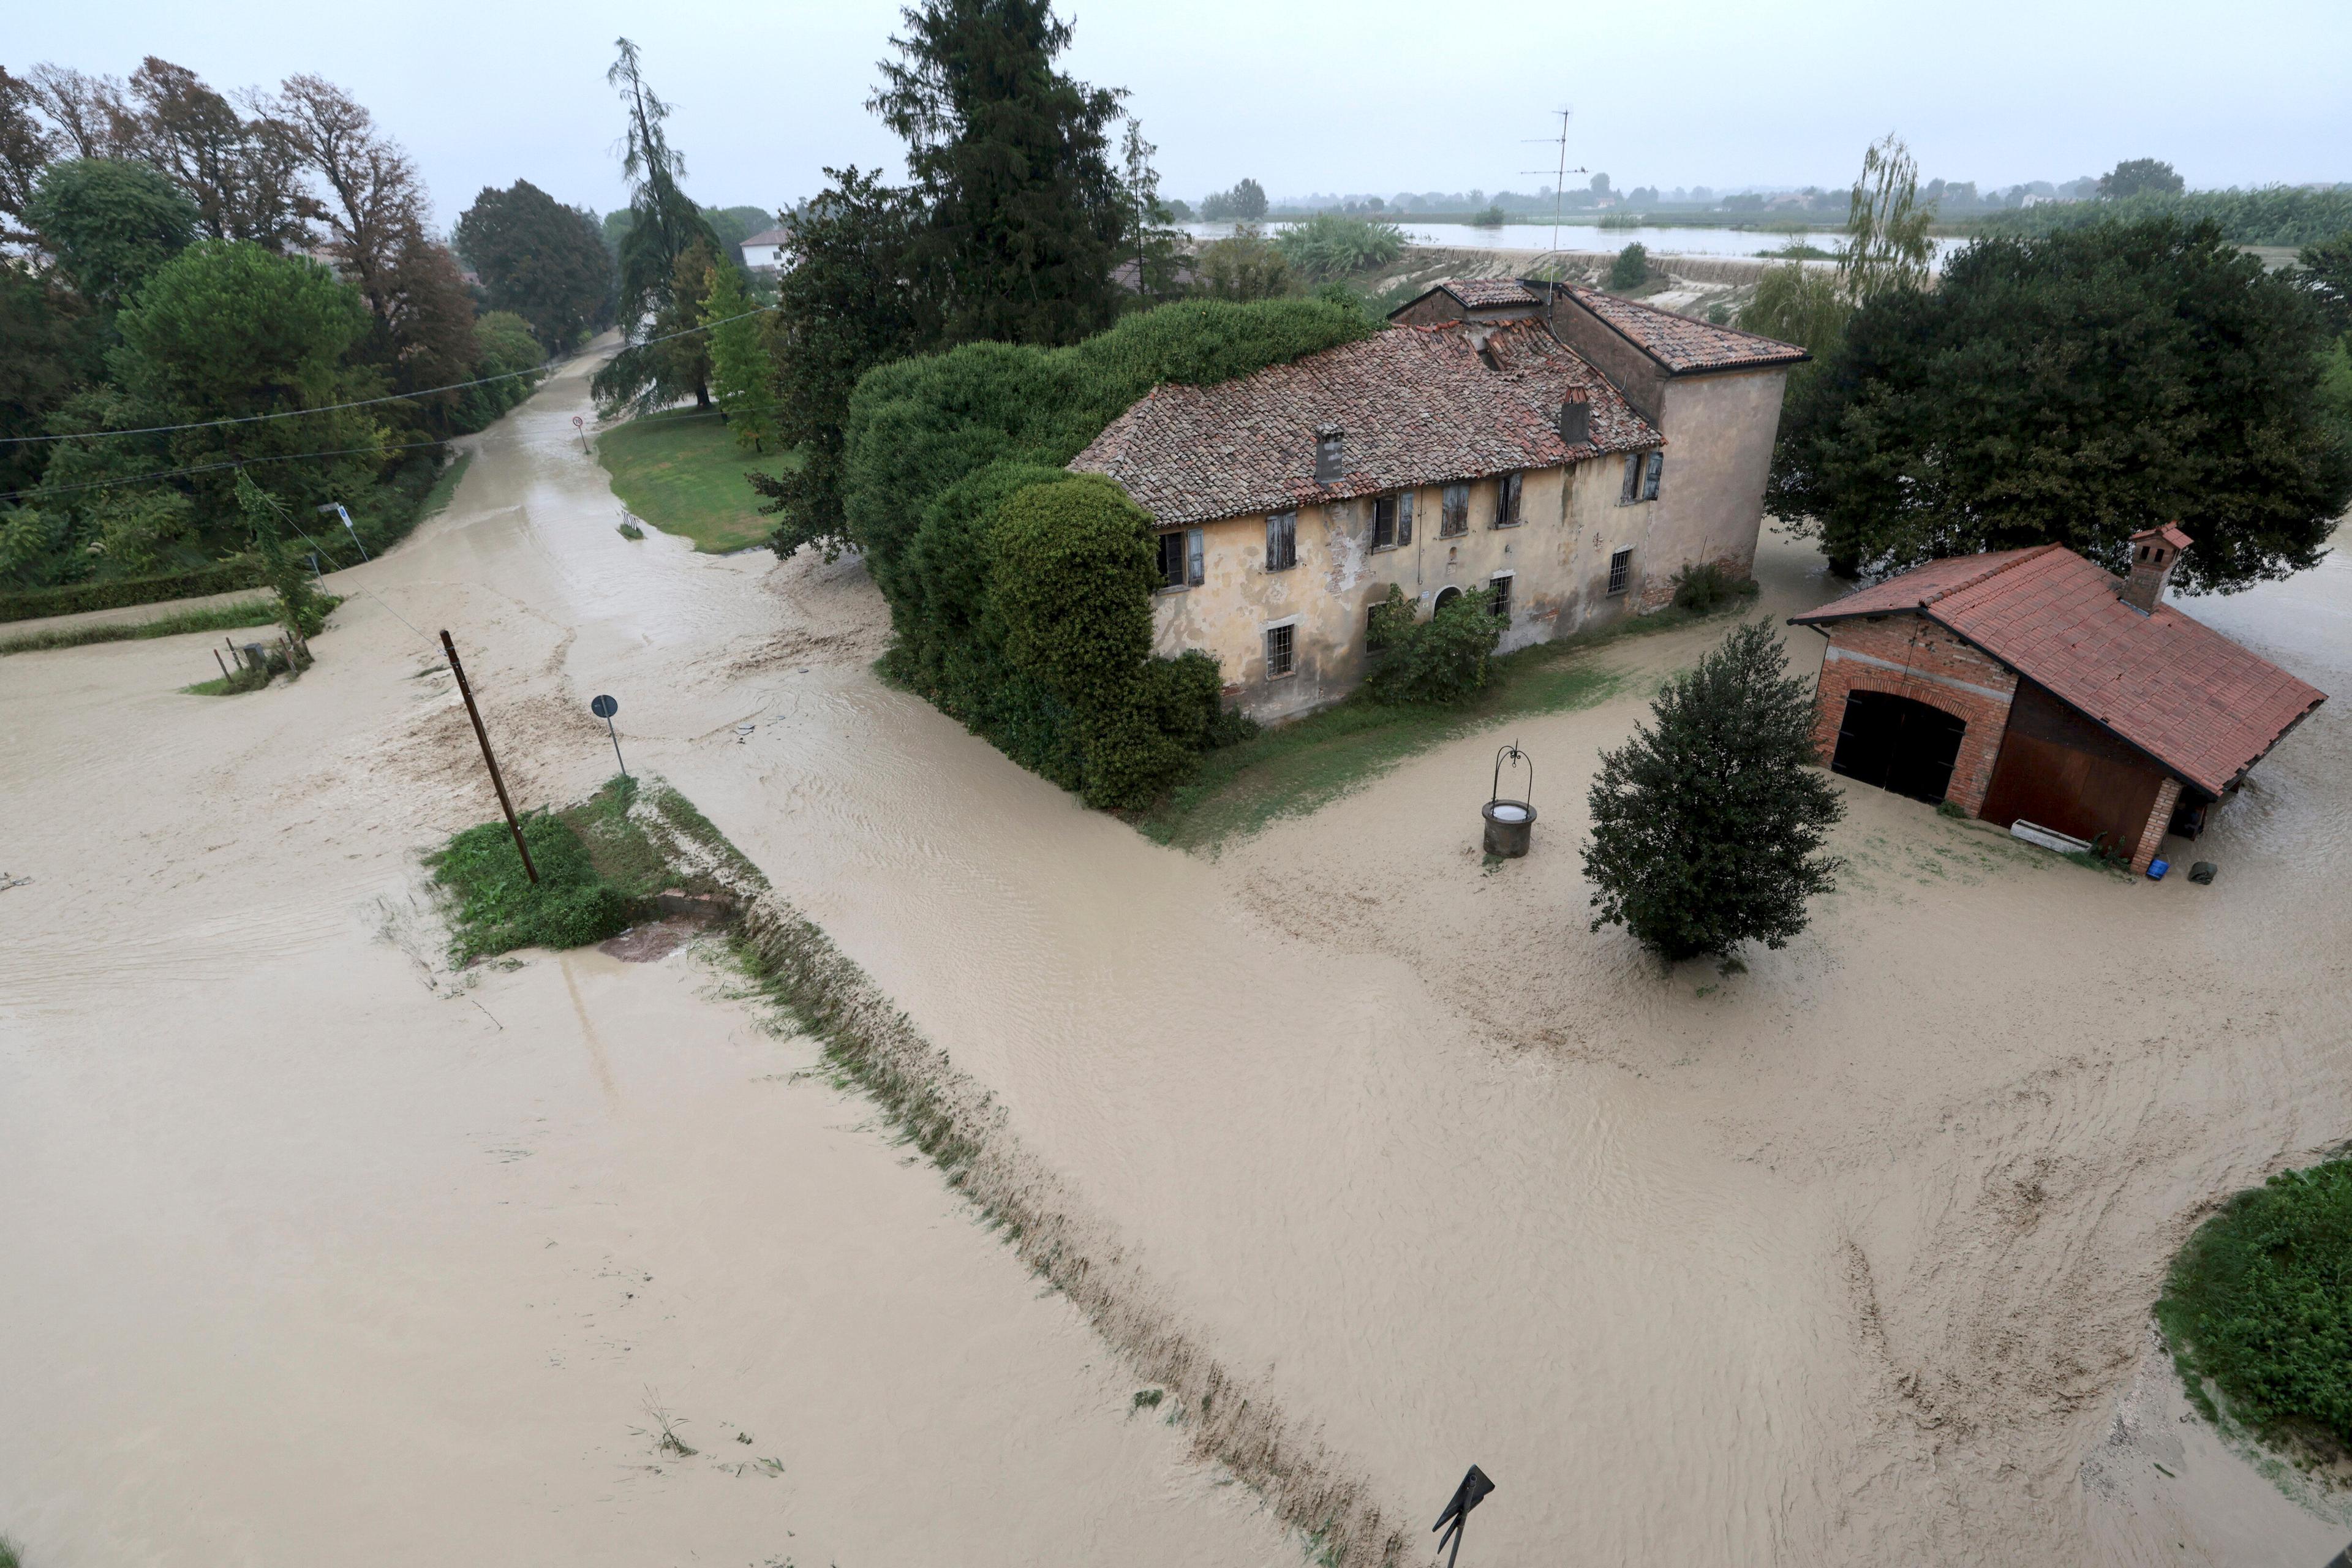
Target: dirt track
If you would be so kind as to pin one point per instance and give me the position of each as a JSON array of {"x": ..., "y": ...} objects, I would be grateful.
[{"x": 1844, "y": 1260}]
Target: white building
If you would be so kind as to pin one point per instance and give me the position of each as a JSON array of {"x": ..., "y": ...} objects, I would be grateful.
[{"x": 764, "y": 251}]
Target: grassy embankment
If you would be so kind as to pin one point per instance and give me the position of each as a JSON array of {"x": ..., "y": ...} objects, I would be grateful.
[
  {"x": 600, "y": 863},
  {"x": 2259, "y": 1305},
  {"x": 682, "y": 472},
  {"x": 1295, "y": 768},
  {"x": 208, "y": 618}
]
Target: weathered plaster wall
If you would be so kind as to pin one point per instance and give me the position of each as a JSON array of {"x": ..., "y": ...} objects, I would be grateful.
[{"x": 1720, "y": 432}]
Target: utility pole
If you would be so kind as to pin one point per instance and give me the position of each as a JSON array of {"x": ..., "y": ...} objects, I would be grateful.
[{"x": 483, "y": 735}]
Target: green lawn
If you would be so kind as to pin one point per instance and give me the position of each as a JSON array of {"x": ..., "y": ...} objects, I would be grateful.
[
  {"x": 1295, "y": 768},
  {"x": 681, "y": 472}
]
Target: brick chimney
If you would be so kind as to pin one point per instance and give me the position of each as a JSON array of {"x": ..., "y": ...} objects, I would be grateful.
[
  {"x": 1576, "y": 418},
  {"x": 2154, "y": 551}
]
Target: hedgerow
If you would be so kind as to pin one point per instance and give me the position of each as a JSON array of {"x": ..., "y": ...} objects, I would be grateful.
[{"x": 942, "y": 455}]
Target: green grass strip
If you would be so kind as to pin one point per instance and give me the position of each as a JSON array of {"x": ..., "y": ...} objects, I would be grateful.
[
  {"x": 1293, "y": 769},
  {"x": 208, "y": 618},
  {"x": 683, "y": 473}
]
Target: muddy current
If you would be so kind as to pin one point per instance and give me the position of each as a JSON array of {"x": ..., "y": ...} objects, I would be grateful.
[{"x": 319, "y": 1250}]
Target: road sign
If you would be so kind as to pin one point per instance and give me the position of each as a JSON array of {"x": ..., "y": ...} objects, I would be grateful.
[
  {"x": 604, "y": 708},
  {"x": 1468, "y": 1495},
  {"x": 581, "y": 426}
]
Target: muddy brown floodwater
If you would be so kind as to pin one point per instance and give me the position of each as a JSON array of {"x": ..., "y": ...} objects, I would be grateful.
[{"x": 317, "y": 1250}]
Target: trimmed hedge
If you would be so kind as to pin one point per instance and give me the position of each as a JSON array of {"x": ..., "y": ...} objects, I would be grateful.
[{"x": 73, "y": 598}]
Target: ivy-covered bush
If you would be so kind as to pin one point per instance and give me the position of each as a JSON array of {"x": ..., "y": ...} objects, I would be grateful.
[
  {"x": 943, "y": 452},
  {"x": 1440, "y": 659}
]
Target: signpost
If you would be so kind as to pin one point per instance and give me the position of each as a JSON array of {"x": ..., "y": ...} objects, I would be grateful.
[
  {"x": 1468, "y": 1495},
  {"x": 337, "y": 507},
  {"x": 581, "y": 426},
  {"x": 604, "y": 708}
]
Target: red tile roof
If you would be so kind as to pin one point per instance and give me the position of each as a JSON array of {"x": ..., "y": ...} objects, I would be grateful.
[
  {"x": 2177, "y": 689},
  {"x": 1417, "y": 405},
  {"x": 1681, "y": 344},
  {"x": 1488, "y": 293}
]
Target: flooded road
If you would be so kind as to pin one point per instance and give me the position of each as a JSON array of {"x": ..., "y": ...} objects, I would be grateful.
[{"x": 1846, "y": 1260}]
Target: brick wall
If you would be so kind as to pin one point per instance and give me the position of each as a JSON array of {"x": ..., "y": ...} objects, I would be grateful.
[
  {"x": 1910, "y": 656},
  {"x": 2159, "y": 816}
]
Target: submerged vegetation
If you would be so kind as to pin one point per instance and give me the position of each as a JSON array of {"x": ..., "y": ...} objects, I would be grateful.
[
  {"x": 206, "y": 618},
  {"x": 600, "y": 863},
  {"x": 2259, "y": 1306}
]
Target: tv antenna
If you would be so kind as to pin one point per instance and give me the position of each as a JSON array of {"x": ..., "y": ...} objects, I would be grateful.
[{"x": 1560, "y": 175}]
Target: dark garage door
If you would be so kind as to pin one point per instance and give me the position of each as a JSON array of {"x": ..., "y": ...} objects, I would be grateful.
[{"x": 1898, "y": 745}]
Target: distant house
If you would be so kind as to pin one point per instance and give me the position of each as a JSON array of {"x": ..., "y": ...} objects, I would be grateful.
[
  {"x": 764, "y": 251},
  {"x": 2030, "y": 685},
  {"x": 1477, "y": 445}
]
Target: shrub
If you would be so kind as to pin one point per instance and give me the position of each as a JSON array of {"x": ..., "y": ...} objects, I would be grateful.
[
  {"x": 1704, "y": 586},
  {"x": 1707, "y": 825},
  {"x": 1442, "y": 659},
  {"x": 498, "y": 908},
  {"x": 2260, "y": 1302},
  {"x": 1329, "y": 245},
  {"x": 1632, "y": 267}
]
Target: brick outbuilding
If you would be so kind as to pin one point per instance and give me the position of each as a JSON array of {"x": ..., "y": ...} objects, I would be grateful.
[{"x": 2030, "y": 685}]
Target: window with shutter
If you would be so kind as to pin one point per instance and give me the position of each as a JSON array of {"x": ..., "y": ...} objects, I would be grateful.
[
  {"x": 1404, "y": 518},
  {"x": 1506, "y": 501},
  {"x": 1384, "y": 522},
  {"x": 1171, "y": 561},
  {"x": 1193, "y": 554},
  {"x": 1281, "y": 541},
  {"x": 1650, "y": 476},
  {"x": 1454, "y": 512},
  {"x": 1631, "y": 489}
]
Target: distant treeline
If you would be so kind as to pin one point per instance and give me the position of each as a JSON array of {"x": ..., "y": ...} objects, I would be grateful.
[{"x": 2272, "y": 215}]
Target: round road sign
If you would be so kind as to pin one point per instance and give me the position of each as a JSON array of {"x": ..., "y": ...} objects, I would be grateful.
[{"x": 604, "y": 707}]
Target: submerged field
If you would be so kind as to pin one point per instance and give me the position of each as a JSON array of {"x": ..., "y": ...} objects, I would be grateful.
[
  {"x": 682, "y": 472},
  {"x": 1848, "y": 1259}
]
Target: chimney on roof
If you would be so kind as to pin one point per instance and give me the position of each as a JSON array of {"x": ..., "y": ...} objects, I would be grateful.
[
  {"x": 1328, "y": 465},
  {"x": 1576, "y": 418},
  {"x": 2154, "y": 551}
]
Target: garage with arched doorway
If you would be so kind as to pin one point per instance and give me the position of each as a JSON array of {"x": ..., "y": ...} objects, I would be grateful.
[{"x": 1898, "y": 743}]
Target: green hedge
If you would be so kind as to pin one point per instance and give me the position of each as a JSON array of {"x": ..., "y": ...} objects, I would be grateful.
[
  {"x": 220, "y": 577},
  {"x": 940, "y": 447}
]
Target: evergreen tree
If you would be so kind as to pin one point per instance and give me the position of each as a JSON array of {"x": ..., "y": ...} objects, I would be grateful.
[
  {"x": 742, "y": 375},
  {"x": 663, "y": 227},
  {"x": 1707, "y": 825},
  {"x": 1153, "y": 245},
  {"x": 1025, "y": 215}
]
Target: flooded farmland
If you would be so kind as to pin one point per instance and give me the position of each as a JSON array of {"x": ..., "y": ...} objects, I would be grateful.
[{"x": 322, "y": 1251}]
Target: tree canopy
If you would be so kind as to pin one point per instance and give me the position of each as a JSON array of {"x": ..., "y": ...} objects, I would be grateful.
[
  {"x": 109, "y": 224},
  {"x": 1023, "y": 212},
  {"x": 2141, "y": 176},
  {"x": 543, "y": 260},
  {"x": 2075, "y": 388},
  {"x": 1708, "y": 826}
]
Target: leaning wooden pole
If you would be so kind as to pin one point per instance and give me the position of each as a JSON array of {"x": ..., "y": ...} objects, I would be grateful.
[{"x": 483, "y": 735}]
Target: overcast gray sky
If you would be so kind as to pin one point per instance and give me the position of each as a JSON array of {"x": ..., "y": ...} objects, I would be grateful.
[{"x": 1319, "y": 95}]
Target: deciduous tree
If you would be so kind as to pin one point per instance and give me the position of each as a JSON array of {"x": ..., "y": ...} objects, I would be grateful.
[
  {"x": 545, "y": 261},
  {"x": 743, "y": 373},
  {"x": 2141, "y": 176},
  {"x": 2075, "y": 388},
  {"x": 1708, "y": 826},
  {"x": 244, "y": 175},
  {"x": 110, "y": 224}
]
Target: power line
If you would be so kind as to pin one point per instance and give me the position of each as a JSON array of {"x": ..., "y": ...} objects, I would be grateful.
[{"x": 367, "y": 402}]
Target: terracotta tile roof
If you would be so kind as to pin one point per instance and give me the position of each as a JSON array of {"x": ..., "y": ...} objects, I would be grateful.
[
  {"x": 1417, "y": 405},
  {"x": 2170, "y": 534},
  {"x": 1488, "y": 293},
  {"x": 1681, "y": 344},
  {"x": 2175, "y": 687}
]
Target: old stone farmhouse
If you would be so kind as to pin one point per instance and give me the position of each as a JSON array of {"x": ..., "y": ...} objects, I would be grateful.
[
  {"x": 2030, "y": 685},
  {"x": 1567, "y": 449}
]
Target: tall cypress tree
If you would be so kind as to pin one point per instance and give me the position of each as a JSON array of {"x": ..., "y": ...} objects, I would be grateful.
[{"x": 1012, "y": 161}]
